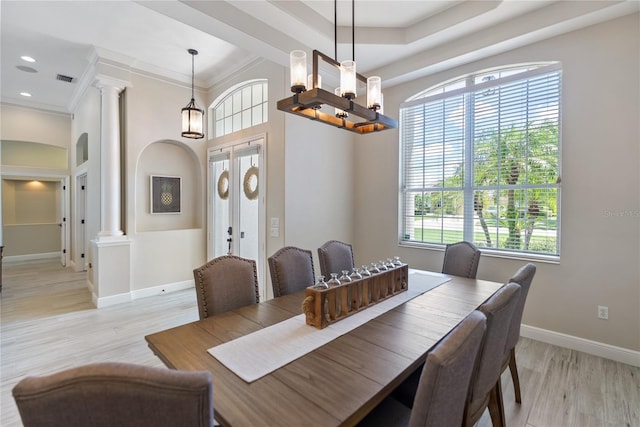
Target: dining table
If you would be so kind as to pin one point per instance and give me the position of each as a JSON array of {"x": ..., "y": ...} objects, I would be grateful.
[{"x": 335, "y": 384}]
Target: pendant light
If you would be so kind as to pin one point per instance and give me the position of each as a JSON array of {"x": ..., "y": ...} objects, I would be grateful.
[
  {"x": 192, "y": 116},
  {"x": 309, "y": 97}
]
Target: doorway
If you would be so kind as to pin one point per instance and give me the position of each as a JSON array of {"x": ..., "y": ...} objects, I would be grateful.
[
  {"x": 236, "y": 203},
  {"x": 81, "y": 237}
]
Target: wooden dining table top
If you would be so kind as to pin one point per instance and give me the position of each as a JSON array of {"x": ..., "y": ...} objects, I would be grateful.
[{"x": 334, "y": 385}]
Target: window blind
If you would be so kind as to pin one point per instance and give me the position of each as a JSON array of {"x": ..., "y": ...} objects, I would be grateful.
[{"x": 480, "y": 162}]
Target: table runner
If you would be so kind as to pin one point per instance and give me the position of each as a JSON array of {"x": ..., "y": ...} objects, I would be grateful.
[{"x": 259, "y": 353}]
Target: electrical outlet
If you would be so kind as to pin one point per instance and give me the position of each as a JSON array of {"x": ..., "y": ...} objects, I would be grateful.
[{"x": 603, "y": 312}]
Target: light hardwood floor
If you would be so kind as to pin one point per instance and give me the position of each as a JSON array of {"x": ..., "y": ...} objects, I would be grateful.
[{"x": 49, "y": 324}]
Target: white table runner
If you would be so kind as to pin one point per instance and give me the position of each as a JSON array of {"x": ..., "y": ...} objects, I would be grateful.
[{"x": 257, "y": 354}]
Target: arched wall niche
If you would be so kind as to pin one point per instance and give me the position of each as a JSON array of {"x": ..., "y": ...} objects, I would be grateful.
[
  {"x": 168, "y": 159},
  {"x": 82, "y": 149}
]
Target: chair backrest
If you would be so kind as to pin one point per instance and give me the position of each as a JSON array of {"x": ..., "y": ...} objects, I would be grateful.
[
  {"x": 116, "y": 394},
  {"x": 461, "y": 259},
  {"x": 335, "y": 256},
  {"x": 523, "y": 277},
  {"x": 291, "y": 270},
  {"x": 498, "y": 309},
  {"x": 444, "y": 383},
  {"x": 226, "y": 283}
]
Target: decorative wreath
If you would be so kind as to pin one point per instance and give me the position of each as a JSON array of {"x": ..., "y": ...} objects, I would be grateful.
[
  {"x": 252, "y": 172},
  {"x": 223, "y": 185}
]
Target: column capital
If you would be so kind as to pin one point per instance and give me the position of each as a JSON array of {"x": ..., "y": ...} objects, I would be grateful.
[{"x": 102, "y": 81}]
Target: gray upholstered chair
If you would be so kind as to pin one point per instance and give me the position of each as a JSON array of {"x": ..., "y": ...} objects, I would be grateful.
[
  {"x": 442, "y": 389},
  {"x": 461, "y": 259},
  {"x": 335, "y": 257},
  {"x": 291, "y": 270},
  {"x": 486, "y": 389},
  {"x": 523, "y": 277},
  {"x": 226, "y": 283},
  {"x": 116, "y": 394}
]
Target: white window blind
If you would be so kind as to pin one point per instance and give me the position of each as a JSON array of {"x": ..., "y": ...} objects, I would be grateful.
[{"x": 481, "y": 161}]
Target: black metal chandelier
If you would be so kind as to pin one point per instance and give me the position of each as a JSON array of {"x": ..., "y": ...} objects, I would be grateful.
[
  {"x": 192, "y": 116},
  {"x": 309, "y": 97}
]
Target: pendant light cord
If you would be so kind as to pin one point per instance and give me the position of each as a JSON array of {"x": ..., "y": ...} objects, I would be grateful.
[
  {"x": 193, "y": 55},
  {"x": 335, "y": 30},
  {"x": 353, "y": 30}
]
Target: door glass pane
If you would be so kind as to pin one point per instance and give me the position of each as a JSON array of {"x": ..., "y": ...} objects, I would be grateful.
[
  {"x": 221, "y": 222},
  {"x": 248, "y": 205}
]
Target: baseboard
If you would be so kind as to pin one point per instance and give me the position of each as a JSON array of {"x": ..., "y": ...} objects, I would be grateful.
[
  {"x": 138, "y": 293},
  {"x": 619, "y": 354},
  {"x": 30, "y": 257},
  {"x": 162, "y": 289}
]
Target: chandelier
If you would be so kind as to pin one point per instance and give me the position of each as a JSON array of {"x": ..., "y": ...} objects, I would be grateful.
[
  {"x": 309, "y": 97},
  {"x": 192, "y": 116}
]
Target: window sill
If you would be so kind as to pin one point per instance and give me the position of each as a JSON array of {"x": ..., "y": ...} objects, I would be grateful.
[{"x": 549, "y": 259}]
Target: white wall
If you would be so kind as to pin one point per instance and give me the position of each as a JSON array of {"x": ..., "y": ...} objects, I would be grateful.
[
  {"x": 319, "y": 187},
  {"x": 600, "y": 163}
]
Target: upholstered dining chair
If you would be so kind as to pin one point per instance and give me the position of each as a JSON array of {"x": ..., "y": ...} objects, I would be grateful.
[
  {"x": 461, "y": 259},
  {"x": 442, "y": 389},
  {"x": 335, "y": 257},
  {"x": 226, "y": 283},
  {"x": 291, "y": 270},
  {"x": 486, "y": 389},
  {"x": 523, "y": 277},
  {"x": 116, "y": 394}
]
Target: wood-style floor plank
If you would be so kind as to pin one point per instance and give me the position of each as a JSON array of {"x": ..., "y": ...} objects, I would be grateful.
[{"x": 48, "y": 323}]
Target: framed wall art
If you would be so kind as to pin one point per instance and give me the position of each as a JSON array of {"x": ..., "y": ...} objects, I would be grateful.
[{"x": 165, "y": 194}]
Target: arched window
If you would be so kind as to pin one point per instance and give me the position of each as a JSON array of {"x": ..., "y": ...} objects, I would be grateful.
[
  {"x": 480, "y": 161},
  {"x": 241, "y": 107}
]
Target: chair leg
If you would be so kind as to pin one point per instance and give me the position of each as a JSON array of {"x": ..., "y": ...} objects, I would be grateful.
[
  {"x": 513, "y": 367},
  {"x": 496, "y": 406}
]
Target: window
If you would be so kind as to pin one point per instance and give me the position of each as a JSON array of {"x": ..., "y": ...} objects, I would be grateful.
[
  {"x": 242, "y": 108},
  {"x": 481, "y": 161}
]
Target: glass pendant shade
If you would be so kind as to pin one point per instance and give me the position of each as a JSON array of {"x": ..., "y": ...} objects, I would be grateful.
[
  {"x": 348, "y": 79},
  {"x": 310, "y": 81},
  {"x": 192, "y": 119},
  {"x": 298, "y": 69},
  {"x": 338, "y": 112},
  {"x": 374, "y": 93}
]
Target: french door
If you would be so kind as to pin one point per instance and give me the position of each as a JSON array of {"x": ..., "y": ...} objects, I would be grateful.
[{"x": 236, "y": 203}]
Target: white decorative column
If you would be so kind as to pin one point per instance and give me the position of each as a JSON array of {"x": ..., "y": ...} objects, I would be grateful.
[
  {"x": 110, "y": 258},
  {"x": 109, "y": 160}
]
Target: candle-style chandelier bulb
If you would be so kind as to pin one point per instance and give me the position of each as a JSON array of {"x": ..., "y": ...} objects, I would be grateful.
[
  {"x": 374, "y": 93},
  {"x": 298, "y": 70},
  {"x": 348, "y": 79}
]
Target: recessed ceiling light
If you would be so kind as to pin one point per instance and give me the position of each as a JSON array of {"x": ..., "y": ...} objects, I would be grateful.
[
  {"x": 27, "y": 58},
  {"x": 27, "y": 94}
]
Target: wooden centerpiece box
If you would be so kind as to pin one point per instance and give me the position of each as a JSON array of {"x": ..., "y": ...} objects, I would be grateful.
[{"x": 323, "y": 306}]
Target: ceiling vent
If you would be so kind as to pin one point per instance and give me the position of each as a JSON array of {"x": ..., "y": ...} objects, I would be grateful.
[{"x": 64, "y": 78}]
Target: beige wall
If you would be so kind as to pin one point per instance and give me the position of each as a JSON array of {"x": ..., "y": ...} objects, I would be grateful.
[
  {"x": 26, "y": 134},
  {"x": 24, "y": 124},
  {"x": 86, "y": 119},
  {"x": 30, "y": 213},
  {"x": 163, "y": 256},
  {"x": 600, "y": 240}
]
